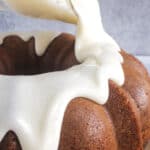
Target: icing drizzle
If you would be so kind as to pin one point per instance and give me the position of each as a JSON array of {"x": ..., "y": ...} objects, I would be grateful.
[
  {"x": 42, "y": 39},
  {"x": 35, "y": 105}
]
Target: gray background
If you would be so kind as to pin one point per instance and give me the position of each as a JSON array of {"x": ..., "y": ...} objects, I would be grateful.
[{"x": 128, "y": 21}]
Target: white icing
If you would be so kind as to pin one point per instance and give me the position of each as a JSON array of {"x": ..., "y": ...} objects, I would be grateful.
[
  {"x": 42, "y": 39},
  {"x": 48, "y": 9},
  {"x": 35, "y": 105}
]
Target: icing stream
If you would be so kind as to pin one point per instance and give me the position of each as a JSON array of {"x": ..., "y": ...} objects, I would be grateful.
[{"x": 35, "y": 105}]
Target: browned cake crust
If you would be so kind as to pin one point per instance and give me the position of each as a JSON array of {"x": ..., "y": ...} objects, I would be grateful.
[
  {"x": 138, "y": 85},
  {"x": 87, "y": 126},
  {"x": 10, "y": 142},
  {"x": 122, "y": 124}
]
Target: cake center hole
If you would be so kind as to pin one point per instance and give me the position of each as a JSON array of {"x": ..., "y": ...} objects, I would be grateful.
[{"x": 18, "y": 57}]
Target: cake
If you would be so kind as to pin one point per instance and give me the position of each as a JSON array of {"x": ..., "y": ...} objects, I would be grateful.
[
  {"x": 63, "y": 92},
  {"x": 123, "y": 123}
]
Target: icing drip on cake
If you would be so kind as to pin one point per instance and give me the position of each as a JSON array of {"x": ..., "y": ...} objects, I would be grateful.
[
  {"x": 35, "y": 105},
  {"x": 42, "y": 39}
]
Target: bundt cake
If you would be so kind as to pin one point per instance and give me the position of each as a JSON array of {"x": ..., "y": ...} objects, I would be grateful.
[
  {"x": 85, "y": 107},
  {"x": 123, "y": 123}
]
